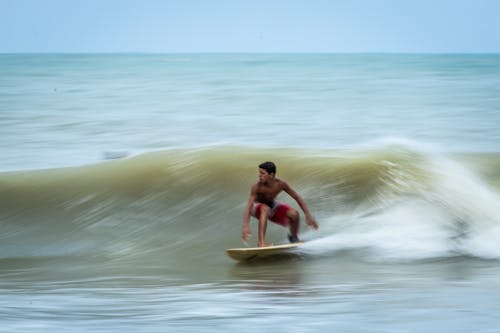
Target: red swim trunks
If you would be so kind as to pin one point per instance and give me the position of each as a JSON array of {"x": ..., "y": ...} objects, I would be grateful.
[{"x": 277, "y": 214}]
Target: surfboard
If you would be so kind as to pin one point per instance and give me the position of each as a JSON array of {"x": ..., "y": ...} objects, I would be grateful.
[{"x": 252, "y": 253}]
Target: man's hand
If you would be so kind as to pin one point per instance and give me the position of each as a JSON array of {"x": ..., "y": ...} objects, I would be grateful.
[
  {"x": 245, "y": 234},
  {"x": 311, "y": 222}
]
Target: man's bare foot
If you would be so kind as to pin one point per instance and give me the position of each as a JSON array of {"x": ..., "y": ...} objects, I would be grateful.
[
  {"x": 264, "y": 244},
  {"x": 293, "y": 239}
]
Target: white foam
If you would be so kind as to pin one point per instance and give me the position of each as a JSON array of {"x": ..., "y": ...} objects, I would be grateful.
[{"x": 451, "y": 213}]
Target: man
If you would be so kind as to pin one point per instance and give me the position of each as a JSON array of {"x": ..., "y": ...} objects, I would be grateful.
[{"x": 262, "y": 205}]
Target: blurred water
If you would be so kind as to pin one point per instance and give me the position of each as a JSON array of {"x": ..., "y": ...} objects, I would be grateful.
[
  {"x": 59, "y": 110},
  {"x": 397, "y": 156}
]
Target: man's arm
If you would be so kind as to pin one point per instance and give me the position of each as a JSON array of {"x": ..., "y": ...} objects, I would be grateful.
[
  {"x": 309, "y": 219},
  {"x": 246, "y": 233}
]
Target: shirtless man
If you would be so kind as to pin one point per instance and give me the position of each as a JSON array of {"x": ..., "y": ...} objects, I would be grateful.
[{"x": 261, "y": 205}]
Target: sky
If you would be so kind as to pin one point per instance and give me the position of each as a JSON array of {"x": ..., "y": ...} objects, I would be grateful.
[{"x": 310, "y": 26}]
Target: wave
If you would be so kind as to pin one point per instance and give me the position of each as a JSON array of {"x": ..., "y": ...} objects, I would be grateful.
[{"x": 385, "y": 202}]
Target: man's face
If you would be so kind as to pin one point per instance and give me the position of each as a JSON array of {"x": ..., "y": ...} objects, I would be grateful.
[{"x": 264, "y": 176}]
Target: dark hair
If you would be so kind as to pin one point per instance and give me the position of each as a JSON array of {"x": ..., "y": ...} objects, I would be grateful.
[{"x": 270, "y": 167}]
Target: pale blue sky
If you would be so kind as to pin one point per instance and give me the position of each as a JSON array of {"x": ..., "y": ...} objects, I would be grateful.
[{"x": 409, "y": 26}]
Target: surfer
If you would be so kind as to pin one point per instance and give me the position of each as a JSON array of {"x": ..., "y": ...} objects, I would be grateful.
[{"x": 262, "y": 205}]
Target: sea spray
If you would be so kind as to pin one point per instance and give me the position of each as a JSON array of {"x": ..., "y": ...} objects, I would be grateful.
[{"x": 445, "y": 211}]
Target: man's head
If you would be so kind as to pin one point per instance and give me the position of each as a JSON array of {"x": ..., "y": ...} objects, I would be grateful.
[
  {"x": 270, "y": 167},
  {"x": 267, "y": 170}
]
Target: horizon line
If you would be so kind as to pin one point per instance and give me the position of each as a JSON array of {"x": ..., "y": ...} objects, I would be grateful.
[{"x": 245, "y": 52}]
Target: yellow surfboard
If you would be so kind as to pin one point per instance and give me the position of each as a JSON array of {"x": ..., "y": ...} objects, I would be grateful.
[{"x": 252, "y": 253}]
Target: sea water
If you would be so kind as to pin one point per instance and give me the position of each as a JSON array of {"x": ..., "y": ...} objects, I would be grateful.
[{"x": 124, "y": 178}]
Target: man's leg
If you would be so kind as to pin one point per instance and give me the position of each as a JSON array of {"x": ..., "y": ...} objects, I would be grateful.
[
  {"x": 294, "y": 217},
  {"x": 264, "y": 214}
]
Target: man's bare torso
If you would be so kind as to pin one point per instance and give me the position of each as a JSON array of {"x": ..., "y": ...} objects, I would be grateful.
[{"x": 267, "y": 192}]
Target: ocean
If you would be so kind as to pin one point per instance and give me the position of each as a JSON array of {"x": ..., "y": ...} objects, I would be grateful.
[{"x": 124, "y": 178}]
